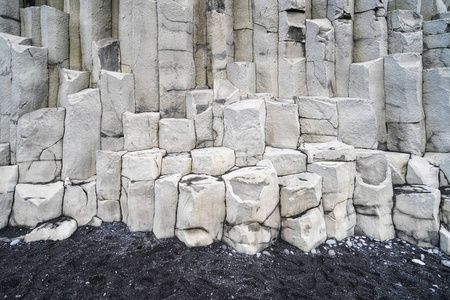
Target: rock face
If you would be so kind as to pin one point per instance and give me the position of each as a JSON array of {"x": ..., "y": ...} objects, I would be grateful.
[
  {"x": 253, "y": 217},
  {"x": 201, "y": 210},
  {"x": 416, "y": 214}
]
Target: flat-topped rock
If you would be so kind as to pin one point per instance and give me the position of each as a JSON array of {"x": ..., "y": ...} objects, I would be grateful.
[
  {"x": 176, "y": 135},
  {"x": 142, "y": 165},
  {"x": 212, "y": 161},
  {"x": 53, "y": 231},
  {"x": 177, "y": 163},
  {"x": 286, "y": 161},
  {"x": 331, "y": 151}
]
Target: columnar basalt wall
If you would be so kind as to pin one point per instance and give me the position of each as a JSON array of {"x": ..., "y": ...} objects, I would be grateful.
[{"x": 241, "y": 121}]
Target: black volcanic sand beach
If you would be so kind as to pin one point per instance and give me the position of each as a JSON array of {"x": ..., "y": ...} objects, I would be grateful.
[{"x": 111, "y": 262}]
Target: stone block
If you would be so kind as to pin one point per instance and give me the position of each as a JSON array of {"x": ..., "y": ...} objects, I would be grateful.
[
  {"x": 406, "y": 137},
  {"x": 140, "y": 131},
  {"x": 80, "y": 202},
  {"x": 331, "y": 151},
  {"x": 176, "y": 135},
  {"x": 341, "y": 221},
  {"x": 413, "y": 5},
  {"x": 30, "y": 24},
  {"x": 307, "y": 231},
  {"x": 282, "y": 123},
  {"x": 430, "y": 8},
  {"x": 404, "y": 21},
  {"x": 343, "y": 56},
  {"x": 199, "y": 108},
  {"x": 137, "y": 203},
  {"x": 442, "y": 161},
  {"x": 265, "y": 51},
  {"x": 398, "y": 163},
  {"x": 340, "y": 9},
  {"x": 292, "y": 77},
  {"x": 109, "y": 210},
  {"x": 421, "y": 172},
  {"x": 416, "y": 214},
  {"x": 142, "y": 165},
  {"x": 72, "y": 7},
  {"x": 367, "y": 82},
  {"x": 105, "y": 56},
  {"x": 399, "y": 42},
  {"x": 318, "y": 117},
  {"x": 320, "y": 58},
  {"x": 8, "y": 181},
  {"x": 436, "y": 58},
  {"x": 138, "y": 35},
  {"x": 53, "y": 231},
  {"x": 166, "y": 202},
  {"x": 55, "y": 34},
  {"x": 6, "y": 201},
  {"x": 5, "y": 158},
  {"x": 337, "y": 184},
  {"x": 109, "y": 170},
  {"x": 403, "y": 86},
  {"x": 201, "y": 210},
  {"x": 176, "y": 163},
  {"x": 81, "y": 135},
  {"x": 357, "y": 123},
  {"x": 34, "y": 204},
  {"x": 286, "y": 161},
  {"x": 71, "y": 82},
  {"x": 436, "y": 104},
  {"x": 444, "y": 243},
  {"x": 117, "y": 97},
  {"x": 9, "y": 17},
  {"x": 243, "y": 45},
  {"x": 435, "y": 27},
  {"x": 299, "y": 193},
  {"x": 370, "y": 32},
  {"x": 244, "y": 124},
  {"x": 243, "y": 76},
  {"x": 95, "y": 24},
  {"x": 445, "y": 205},
  {"x": 43, "y": 171},
  {"x": 212, "y": 161}
]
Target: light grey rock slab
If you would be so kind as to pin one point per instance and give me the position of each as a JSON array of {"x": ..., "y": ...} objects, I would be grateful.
[
  {"x": 286, "y": 161},
  {"x": 166, "y": 202},
  {"x": 80, "y": 202},
  {"x": 212, "y": 161},
  {"x": 177, "y": 163},
  {"x": 176, "y": 135},
  {"x": 282, "y": 123},
  {"x": 142, "y": 165},
  {"x": 140, "y": 130},
  {"x": 54, "y": 231}
]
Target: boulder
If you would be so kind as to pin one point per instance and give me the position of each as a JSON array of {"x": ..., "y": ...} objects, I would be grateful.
[
  {"x": 307, "y": 231},
  {"x": 80, "y": 202},
  {"x": 166, "y": 202},
  {"x": 34, "y": 204},
  {"x": 176, "y": 163},
  {"x": 176, "y": 135},
  {"x": 422, "y": 173},
  {"x": 398, "y": 163},
  {"x": 331, "y": 151},
  {"x": 140, "y": 131},
  {"x": 286, "y": 161},
  {"x": 245, "y": 130},
  {"x": 81, "y": 134},
  {"x": 201, "y": 210},
  {"x": 212, "y": 161},
  {"x": 299, "y": 193},
  {"x": 53, "y": 231},
  {"x": 282, "y": 123},
  {"x": 416, "y": 214},
  {"x": 142, "y": 165}
]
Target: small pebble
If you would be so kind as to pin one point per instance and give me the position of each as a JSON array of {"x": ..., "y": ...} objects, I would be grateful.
[
  {"x": 422, "y": 257},
  {"x": 360, "y": 245},
  {"x": 435, "y": 251},
  {"x": 331, "y": 242},
  {"x": 331, "y": 253},
  {"x": 15, "y": 242},
  {"x": 349, "y": 243},
  {"x": 446, "y": 263},
  {"x": 286, "y": 251},
  {"x": 258, "y": 255},
  {"x": 266, "y": 253},
  {"x": 387, "y": 247},
  {"x": 224, "y": 247},
  {"x": 418, "y": 261},
  {"x": 313, "y": 251}
]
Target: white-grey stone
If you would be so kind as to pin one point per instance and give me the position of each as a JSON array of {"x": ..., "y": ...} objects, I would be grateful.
[
  {"x": 367, "y": 82},
  {"x": 199, "y": 108},
  {"x": 357, "y": 123},
  {"x": 176, "y": 135},
  {"x": 444, "y": 240},
  {"x": 265, "y": 45},
  {"x": 40, "y": 171},
  {"x": 5, "y": 158},
  {"x": 403, "y": 86},
  {"x": 8, "y": 180},
  {"x": 331, "y": 151},
  {"x": 201, "y": 210},
  {"x": 95, "y": 222},
  {"x": 436, "y": 104},
  {"x": 72, "y": 7},
  {"x": 212, "y": 161},
  {"x": 421, "y": 172},
  {"x": 370, "y": 31},
  {"x": 282, "y": 123},
  {"x": 71, "y": 82},
  {"x": 117, "y": 97},
  {"x": 343, "y": 56},
  {"x": 95, "y": 24},
  {"x": 9, "y": 17},
  {"x": 404, "y": 20},
  {"x": 30, "y": 24},
  {"x": 244, "y": 124},
  {"x": 401, "y": 42},
  {"x": 337, "y": 182},
  {"x": 54, "y": 231},
  {"x": 243, "y": 76},
  {"x": 109, "y": 210},
  {"x": 430, "y": 8},
  {"x": 80, "y": 202},
  {"x": 300, "y": 193},
  {"x": 318, "y": 119},
  {"x": 306, "y": 231},
  {"x": 398, "y": 163},
  {"x": 340, "y": 222},
  {"x": 340, "y": 9},
  {"x": 320, "y": 58},
  {"x": 109, "y": 170},
  {"x": 138, "y": 35},
  {"x": 166, "y": 202},
  {"x": 406, "y": 137},
  {"x": 416, "y": 214},
  {"x": 81, "y": 135},
  {"x": 436, "y": 58},
  {"x": 176, "y": 163},
  {"x": 140, "y": 131},
  {"x": 137, "y": 203},
  {"x": 413, "y": 5},
  {"x": 36, "y": 203},
  {"x": 105, "y": 56},
  {"x": 55, "y": 34},
  {"x": 142, "y": 165},
  {"x": 286, "y": 161},
  {"x": 442, "y": 161}
]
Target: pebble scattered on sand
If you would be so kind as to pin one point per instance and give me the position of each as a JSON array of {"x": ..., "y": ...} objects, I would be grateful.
[
  {"x": 331, "y": 253},
  {"x": 418, "y": 261}
]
